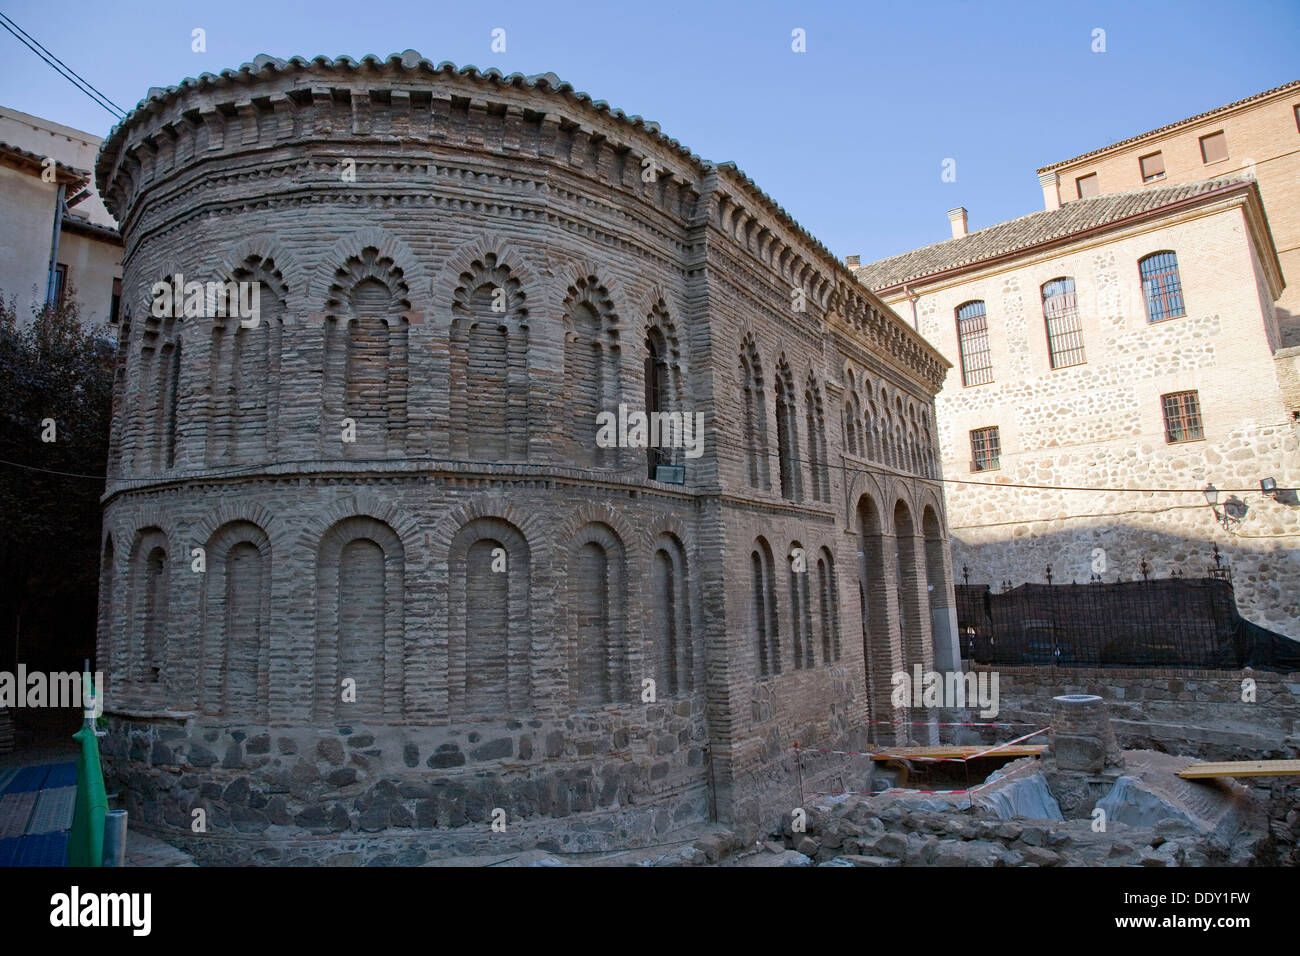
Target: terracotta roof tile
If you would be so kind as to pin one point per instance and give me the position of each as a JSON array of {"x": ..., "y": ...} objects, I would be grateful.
[{"x": 1028, "y": 231}]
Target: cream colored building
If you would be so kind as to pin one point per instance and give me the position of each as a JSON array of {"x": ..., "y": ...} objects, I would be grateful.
[
  {"x": 37, "y": 157},
  {"x": 1125, "y": 341}
]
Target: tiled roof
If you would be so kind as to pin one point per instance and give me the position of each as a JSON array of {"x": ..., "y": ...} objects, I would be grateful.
[
  {"x": 1165, "y": 129},
  {"x": 1034, "y": 229},
  {"x": 411, "y": 62},
  {"x": 28, "y": 159}
]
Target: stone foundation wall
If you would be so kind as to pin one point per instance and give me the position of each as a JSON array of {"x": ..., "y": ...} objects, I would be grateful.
[{"x": 619, "y": 778}]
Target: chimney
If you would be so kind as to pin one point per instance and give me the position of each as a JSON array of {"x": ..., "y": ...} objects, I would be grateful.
[
  {"x": 853, "y": 262},
  {"x": 1051, "y": 184},
  {"x": 958, "y": 219}
]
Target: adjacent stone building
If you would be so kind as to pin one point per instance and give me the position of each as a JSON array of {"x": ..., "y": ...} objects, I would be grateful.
[
  {"x": 58, "y": 237},
  {"x": 1127, "y": 343},
  {"x": 365, "y": 566}
]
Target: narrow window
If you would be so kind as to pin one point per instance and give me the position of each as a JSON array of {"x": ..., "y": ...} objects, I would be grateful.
[
  {"x": 973, "y": 338},
  {"x": 1182, "y": 417},
  {"x": 1153, "y": 167},
  {"x": 985, "y": 449},
  {"x": 1064, "y": 333},
  {"x": 1214, "y": 147},
  {"x": 60, "y": 283},
  {"x": 1161, "y": 287},
  {"x": 1087, "y": 186},
  {"x": 117, "y": 301}
]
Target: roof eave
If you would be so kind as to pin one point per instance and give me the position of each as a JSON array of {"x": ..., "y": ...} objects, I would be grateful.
[{"x": 1188, "y": 201}]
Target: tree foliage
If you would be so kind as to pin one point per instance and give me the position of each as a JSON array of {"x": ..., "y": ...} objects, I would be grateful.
[{"x": 51, "y": 368}]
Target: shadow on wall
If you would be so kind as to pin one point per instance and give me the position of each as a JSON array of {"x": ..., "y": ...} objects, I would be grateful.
[
  {"x": 1288, "y": 326},
  {"x": 1265, "y": 571}
]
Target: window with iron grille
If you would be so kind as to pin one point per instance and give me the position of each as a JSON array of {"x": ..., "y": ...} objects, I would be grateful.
[
  {"x": 985, "y": 449},
  {"x": 973, "y": 339},
  {"x": 1153, "y": 167},
  {"x": 1161, "y": 287},
  {"x": 1182, "y": 417},
  {"x": 1064, "y": 331},
  {"x": 1087, "y": 186}
]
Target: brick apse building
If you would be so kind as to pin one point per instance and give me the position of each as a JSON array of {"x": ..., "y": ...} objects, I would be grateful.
[{"x": 468, "y": 268}]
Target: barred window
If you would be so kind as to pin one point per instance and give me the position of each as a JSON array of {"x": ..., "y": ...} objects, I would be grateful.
[
  {"x": 1064, "y": 331},
  {"x": 1161, "y": 287},
  {"x": 985, "y": 449},
  {"x": 1182, "y": 417},
  {"x": 973, "y": 338}
]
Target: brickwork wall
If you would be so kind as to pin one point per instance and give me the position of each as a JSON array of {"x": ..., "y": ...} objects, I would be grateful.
[{"x": 474, "y": 415}]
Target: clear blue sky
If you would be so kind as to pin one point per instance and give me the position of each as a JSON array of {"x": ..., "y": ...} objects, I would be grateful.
[{"x": 849, "y": 137}]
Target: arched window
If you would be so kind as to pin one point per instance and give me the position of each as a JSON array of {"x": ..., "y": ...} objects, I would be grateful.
[
  {"x": 828, "y": 606},
  {"x": 591, "y": 367},
  {"x": 852, "y": 424},
  {"x": 149, "y": 618},
  {"x": 818, "y": 458},
  {"x": 489, "y": 380},
  {"x": 244, "y": 362},
  {"x": 360, "y": 631},
  {"x": 764, "y": 609},
  {"x": 596, "y": 614},
  {"x": 1064, "y": 331},
  {"x": 234, "y": 677},
  {"x": 1161, "y": 287},
  {"x": 787, "y": 436},
  {"x": 366, "y": 361},
  {"x": 657, "y": 393},
  {"x": 490, "y": 639},
  {"x": 670, "y": 621},
  {"x": 973, "y": 344},
  {"x": 800, "y": 608},
  {"x": 755, "y": 417}
]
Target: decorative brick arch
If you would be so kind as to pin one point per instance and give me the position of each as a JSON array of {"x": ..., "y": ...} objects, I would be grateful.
[
  {"x": 492, "y": 665},
  {"x": 234, "y": 647},
  {"x": 595, "y": 652},
  {"x": 360, "y": 621},
  {"x": 388, "y": 246},
  {"x": 294, "y": 280},
  {"x": 464, "y": 260}
]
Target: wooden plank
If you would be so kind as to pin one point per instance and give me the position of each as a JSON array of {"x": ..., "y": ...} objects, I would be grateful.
[
  {"x": 1241, "y": 768},
  {"x": 934, "y": 753}
]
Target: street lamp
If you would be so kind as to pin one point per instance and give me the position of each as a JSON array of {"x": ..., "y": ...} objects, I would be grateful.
[{"x": 1234, "y": 509}]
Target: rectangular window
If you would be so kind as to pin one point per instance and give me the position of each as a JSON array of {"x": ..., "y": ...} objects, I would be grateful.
[
  {"x": 1182, "y": 417},
  {"x": 1153, "y": 167},
  {"x": 985, "y": 449},
  {"x": 1161, "y": 287},
  {"x": 1064, "y": 331},
  {"x": 1214, "y": 147},
  {"x": 1087, "y": 186},
  {"x": 1297, "y": 117},
  {"x": 60, "y": 282},
  {"x": 117, "y": 301},
  {"x": 973, "y": 340}
]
